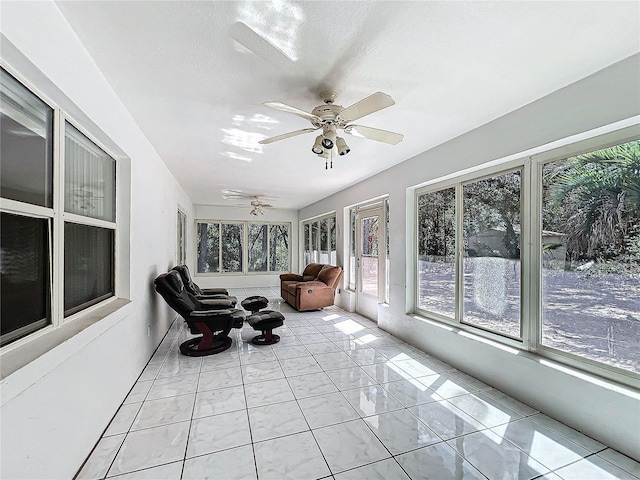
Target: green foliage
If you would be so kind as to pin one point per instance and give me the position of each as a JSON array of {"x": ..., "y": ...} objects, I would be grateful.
[{"x": 594, "y": 199}]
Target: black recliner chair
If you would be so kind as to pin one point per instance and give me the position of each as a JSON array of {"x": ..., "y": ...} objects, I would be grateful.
[
  {"x": 193, "y": 288},
  {"x": 212, "y": 317}
]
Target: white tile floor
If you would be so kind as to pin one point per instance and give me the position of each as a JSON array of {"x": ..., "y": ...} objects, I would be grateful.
[{"x": 337, "y": 398}]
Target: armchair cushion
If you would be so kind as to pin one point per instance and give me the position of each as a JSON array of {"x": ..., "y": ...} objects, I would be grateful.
[{"x": 329, "y": 275}]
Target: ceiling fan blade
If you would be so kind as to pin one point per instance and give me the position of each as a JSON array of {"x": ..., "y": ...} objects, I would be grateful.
[
  {"x": 375, "y": 134},
  {"x": 289, "y": 109},
  {"x": 366, "y": 106},
  {"x": 286, "y": 135}
]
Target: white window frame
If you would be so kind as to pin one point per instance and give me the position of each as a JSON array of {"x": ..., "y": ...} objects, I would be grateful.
[
  {"x": 531, "y": 244},
  {"x": 318, "y": 220},
  {"x": 245, "y": 247},
  {"x": 58, "y": 217}
]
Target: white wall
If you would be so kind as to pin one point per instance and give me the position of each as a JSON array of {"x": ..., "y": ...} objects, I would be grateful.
[
  {"x": 234, "y": 213},
  {"x": 611, "y": 415},
  {"x": 55, "y": 409}
]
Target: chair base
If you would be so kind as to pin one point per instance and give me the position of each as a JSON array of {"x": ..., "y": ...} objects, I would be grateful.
[
  {"x": 267, "y": 338},
  {"x": 192, "y": 347}
]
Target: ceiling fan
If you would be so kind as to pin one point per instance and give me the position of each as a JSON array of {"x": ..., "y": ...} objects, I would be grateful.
[
  {"x": 257, "y": 206},
  {"x": 331, "y": 118}
]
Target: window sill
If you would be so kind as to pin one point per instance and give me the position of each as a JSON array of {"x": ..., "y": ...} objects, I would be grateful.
[{"x": 31, "y": 355}]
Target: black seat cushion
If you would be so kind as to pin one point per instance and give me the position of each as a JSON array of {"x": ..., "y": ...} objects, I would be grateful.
[{"x": 266, "y": 320}]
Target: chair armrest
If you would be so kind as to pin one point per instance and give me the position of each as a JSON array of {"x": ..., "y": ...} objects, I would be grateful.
[
  {"x": 290, "y": 276},
  {"x": 211, "y": 296},
  {"x": 215, "y": 303},
  {"x": 210, "y": 313}
]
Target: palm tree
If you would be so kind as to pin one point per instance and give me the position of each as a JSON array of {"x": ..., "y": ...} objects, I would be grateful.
[{"x": 597, "y": 196}]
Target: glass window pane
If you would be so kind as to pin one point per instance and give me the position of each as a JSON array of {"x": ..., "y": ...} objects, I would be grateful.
[
  {"x": 307, "y": 240},
  {"x": 89, "y": 178},
  {"x": 591, "y": 255},
  {"x": 370, "y": 251},
  {"x": 26, "y": 144},
  {"x": 231, "y": 240},
  {"x": 182, "y": 238},
  {"x": 332, "y": 240},
  {"x": 24, "y": 270},
  {"x": 386, "y": 270},
  {"x": 437, "y": 251},
  {"x": 352, "y": 249},
  {"x": 88, "y": 266},
  {"x": 208, "y": 247},
  {"x": 324, "y": 241},
  {"x": 492, "y": 253},
  {"x": 315, "y": 242},
  {"x": 257, "y": 247},
  {"x": 279, "y": 246}
]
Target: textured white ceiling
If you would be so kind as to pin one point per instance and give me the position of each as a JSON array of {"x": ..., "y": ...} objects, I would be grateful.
[{"x": 194, "y": 76}]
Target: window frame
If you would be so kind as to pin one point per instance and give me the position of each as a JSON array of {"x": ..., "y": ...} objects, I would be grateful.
[
  {"x": 318, "y": 221},
  {"x": 245, "y": 247},
  {"x": 57, "y": 217},
  {"x": 531, "y": 244}
]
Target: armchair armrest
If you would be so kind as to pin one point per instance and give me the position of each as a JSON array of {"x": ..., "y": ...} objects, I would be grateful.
[
  {"x": 215, "y": 303},
  {"x": 210, "y": 313},
  {"x": 285, "y": 277}
]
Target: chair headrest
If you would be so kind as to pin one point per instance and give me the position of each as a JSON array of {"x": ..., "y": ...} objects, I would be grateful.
[
  {"x": 185, "y": 274},
  {"x": 169, "y": 282}
]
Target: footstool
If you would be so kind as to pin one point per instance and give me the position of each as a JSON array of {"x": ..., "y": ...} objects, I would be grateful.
[
  {"x": 255, "y": 303},
  {"x": 266, "y": 321}
]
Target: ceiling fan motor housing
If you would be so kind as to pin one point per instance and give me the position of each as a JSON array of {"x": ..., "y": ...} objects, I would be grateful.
[{"x": 328, "y": 114}]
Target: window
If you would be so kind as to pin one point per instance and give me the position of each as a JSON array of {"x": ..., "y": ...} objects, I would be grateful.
[
  {"x": 581, "y": 217},
  {"x": 89, "y": 240},
  {"x": 590, "y": 244},
  {"x": 320, "y": 240},
  {"x": 437, "y": 252},
  {"x": 491, "y": 261},
  {"x": 181, "y": 242},
  {"x": 33, "y": 225},
  {"x": 266, "y": 247}
]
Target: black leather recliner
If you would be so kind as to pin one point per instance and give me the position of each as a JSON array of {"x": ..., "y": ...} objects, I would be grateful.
[
  {"x": 212, "y": 317},
  {"x": 193, "y": 288}
]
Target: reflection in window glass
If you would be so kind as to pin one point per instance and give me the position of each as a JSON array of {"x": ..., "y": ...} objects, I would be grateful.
[
  {"x": 231, "y": 241},
  {"x": 26, "y": 144},
  {"x": 591, "y": 255},
  {"x": 436, "y": 252},
  {"x": 89, "y": 177},
  {"x": 88, "y": 266},
  {"x": 24, "y": 269},
  {"x": 279, "y": 248},
  {"x": 257, "y": 248},
  {"x": 208, "y": 247},
  {"x": 307, "y": 245},
  {"x": 491, "y": 215}
]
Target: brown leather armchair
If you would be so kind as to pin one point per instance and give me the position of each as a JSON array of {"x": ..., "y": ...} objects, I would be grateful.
[{"x": 312, "y": 290}]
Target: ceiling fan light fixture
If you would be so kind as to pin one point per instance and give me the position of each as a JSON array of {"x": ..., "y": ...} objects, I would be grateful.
[
  {"x": 343, "y": 148},
  {"x": 317, "y": 146},
  {"x": 329, "y": 139}
]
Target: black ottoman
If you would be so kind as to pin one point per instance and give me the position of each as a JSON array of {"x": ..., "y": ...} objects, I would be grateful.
[
  {"x": 266, "y": 321},
  {"x": 255, "y": 303}
]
